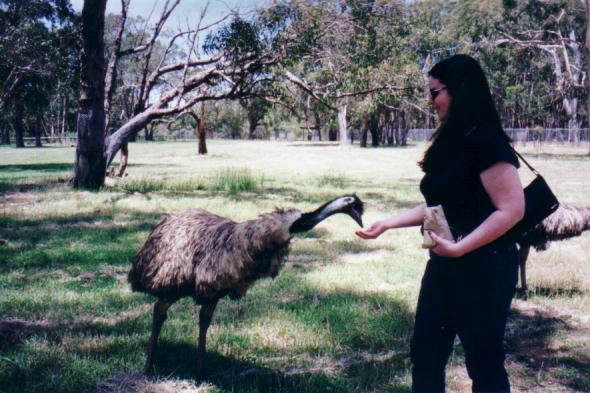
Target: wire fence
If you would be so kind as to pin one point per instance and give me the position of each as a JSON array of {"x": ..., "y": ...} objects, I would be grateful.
[
  {"x": 566, "y": 136},
  {"x": 572, "y": 136}
]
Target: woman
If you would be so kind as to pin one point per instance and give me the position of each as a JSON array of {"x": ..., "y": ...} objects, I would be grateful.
[{"x": 468, "y": 284}]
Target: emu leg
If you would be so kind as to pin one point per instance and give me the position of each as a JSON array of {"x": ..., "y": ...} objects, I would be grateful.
[
  {"x": 523, "y": 254},
  {"x": 205, "y": 316},
  {"x": 160, "y": 315}
]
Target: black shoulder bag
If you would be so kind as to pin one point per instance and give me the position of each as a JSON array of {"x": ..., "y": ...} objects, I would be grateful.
[{"x": 539, "y": 203}]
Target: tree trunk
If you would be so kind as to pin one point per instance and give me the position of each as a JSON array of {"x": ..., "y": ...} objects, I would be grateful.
[
  {"x": 251, "y": 128},
  {"x": 374, "y": 129},
  {"x": 111, "y": 71},
  {"x": 90, "y": 166},
  {"x": 364, "y": 130},
  {"x": 201, "y": 131},
  {"x": 390, "y": 121},
  {"x": 342, "y": 126},
  {"x": 149, "y": 132},
  {"x": 317, "y": 129},
  {"x": 123, "y": 159},
  {"x": 19, "y": 126},
  {"x": 587, "y": 46},
  {"x": 383, "y": 127},
  {"x": 5, "y": 134},
  {"x": 64, "y": 121},
  {"x": 332, "y": 134},
  {"x": 123, "y": 134},
  {"x": 404, "y": 129},
  {"x": 38, "y": 130},
  {"x": 571, "y": 108}
]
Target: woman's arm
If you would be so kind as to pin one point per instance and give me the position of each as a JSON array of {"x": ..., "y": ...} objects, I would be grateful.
[
  {"x": 502, "y": 183},
  {"x": 409, "y": 218}
]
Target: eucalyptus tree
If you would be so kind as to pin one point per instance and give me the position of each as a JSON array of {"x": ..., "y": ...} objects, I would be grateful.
[
  {"x": 36, "y": 40},
  {"x": 538, "y": 51},
  {"x": 226, "y": 68},
  {"x": 339, "y": 67},
  {"x": 256, "y": 106}
]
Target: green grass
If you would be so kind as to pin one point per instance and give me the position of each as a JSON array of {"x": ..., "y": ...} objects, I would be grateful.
[
  {"x": 236, "y": 180},
  {"x": 338, "y": 318}
]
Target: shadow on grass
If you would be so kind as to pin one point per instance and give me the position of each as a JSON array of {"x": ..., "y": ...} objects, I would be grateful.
[
  {"x": 241, "y": 375},
  {"x": 83, "y": 241},
  {"x": 541, "y": 342},
  {"x": 35, "y": 177},
  {"x": 370, "y": 332},
  {"x": 357, "y": 361},
  {"x": 50, "y": 167},
  {"x": 34, "y": 184}
]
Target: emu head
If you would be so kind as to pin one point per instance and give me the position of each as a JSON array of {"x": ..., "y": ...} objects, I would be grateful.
[{"x": 347, "y": 204}]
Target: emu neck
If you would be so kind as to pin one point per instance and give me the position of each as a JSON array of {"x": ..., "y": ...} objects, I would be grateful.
[{"x": 311, "y": 219}]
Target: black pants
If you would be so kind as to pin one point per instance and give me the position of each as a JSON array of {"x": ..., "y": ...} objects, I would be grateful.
[{"x": 469, "y": 297}]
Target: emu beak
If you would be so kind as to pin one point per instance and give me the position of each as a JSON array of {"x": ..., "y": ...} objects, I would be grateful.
[{"x": 356, "y": 215}]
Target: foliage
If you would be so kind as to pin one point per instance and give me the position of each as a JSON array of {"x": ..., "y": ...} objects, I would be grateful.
[
  {"x": 238, "y": 40},
  {"x": 39, "y": 59},
  {"x": 369, "y": 55}
]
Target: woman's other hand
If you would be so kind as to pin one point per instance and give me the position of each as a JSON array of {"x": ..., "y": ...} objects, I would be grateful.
[
  {"x": 374, "y": 230},
  {"x": 446, "y": 248}
]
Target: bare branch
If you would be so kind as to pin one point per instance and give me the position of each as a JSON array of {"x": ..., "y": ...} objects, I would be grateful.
[
  {"x": 111, "y": 71},
  {"x": 144, "y": 92}
]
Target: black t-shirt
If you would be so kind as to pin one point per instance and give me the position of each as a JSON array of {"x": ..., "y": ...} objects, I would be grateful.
[{"x": 458, "y": 187}]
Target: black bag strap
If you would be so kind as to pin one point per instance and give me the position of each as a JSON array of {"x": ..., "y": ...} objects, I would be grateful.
[{"x": 525, "y": 161}]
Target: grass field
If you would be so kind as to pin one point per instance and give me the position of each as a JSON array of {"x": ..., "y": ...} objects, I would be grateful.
[{"x": 339, "y": 316}]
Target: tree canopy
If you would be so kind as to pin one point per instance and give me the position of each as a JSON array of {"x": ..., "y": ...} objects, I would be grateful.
[{"x": 359, "y": 64}]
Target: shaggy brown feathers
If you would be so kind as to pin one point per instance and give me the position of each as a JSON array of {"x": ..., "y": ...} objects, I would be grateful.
[
  {"x": 196, "y": 253},
  {"x": 564, "y": 223}
]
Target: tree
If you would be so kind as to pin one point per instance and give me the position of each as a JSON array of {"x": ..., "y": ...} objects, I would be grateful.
[
  {"x": 550, "y": 32},
  {"x": 256, "y": 108},
  {"x": 39, "y": 35},
  {"x": 90, "y": 165},
  {"x": 342, "y": 65},
  {"x": 232, "y": 57}
]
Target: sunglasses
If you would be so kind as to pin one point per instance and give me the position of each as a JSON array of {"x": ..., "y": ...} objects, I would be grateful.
[{"x": 434, "y": 92}]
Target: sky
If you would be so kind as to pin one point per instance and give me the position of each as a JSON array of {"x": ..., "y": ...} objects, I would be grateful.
[{"x": 187, "y": 10}]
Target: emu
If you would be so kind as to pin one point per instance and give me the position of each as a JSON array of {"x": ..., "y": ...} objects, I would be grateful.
[
  {"x": 198, "y": 254},
  {"x": 564, "y": 223}
]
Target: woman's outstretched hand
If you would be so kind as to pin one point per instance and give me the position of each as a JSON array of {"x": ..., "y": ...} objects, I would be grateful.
[
  {"x": 445, "y": 248},
  {"x": 374, "y": 230}
]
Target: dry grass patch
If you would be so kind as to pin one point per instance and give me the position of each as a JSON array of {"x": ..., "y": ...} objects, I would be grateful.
[{"x": 139, "y": 383}]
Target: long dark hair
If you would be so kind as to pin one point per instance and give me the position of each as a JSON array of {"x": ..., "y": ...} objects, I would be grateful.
[{"x": 471, "y": 106}]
